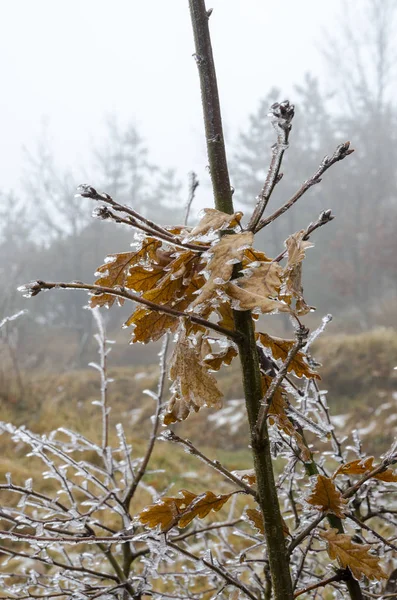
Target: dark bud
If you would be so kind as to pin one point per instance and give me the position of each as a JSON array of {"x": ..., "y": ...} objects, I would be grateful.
[
  {"x": 86, "y": 191},
  {"x": 101, "y": 212}
]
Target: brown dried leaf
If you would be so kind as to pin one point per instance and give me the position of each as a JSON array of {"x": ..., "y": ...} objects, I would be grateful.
[
  {"x": 247, "y": 475},
  {"x": 340, "y": 547},
  {"x": 285, "y": 424},
  {"x": 193, "y": 386},
  {"x": 216, "y": 360},
  {"x": 214, "y": 220},
  {"x": 202, "y": 506},
  {"x": 387, "y": 476},
  {"x": 256, "y": 519},
  {"x": 326, "y": 497},
  {"x": 151, "y": 325},
  {"x": 280, "y": 349},
  {"x": 115, "y": 272},
  {"x": 225, "y": 311},
  {"x": 360, "y": 467},
  {"x": 142, "y": 279},
  {"x": 223, "y": 255},
  {"x": 355, "y": 467},
  {"x": 279, "y": 403},
  {"x": 292, "y": 274},
  {"x": 258, "y": 290},
  {"x": 252, "y": 255},
  {"x": 180, "y": 511}
]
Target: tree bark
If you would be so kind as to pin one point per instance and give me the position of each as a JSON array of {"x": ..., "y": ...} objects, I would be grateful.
[{"x": 268, "y": 500}]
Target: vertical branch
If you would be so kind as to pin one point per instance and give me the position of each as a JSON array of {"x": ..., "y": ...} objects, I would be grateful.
[
  {"x": 267, "y": 492},
  {"x": 212, "y": 111}
]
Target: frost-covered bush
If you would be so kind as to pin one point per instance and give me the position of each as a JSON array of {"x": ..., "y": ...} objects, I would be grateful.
[{"x": 312, "y": 514}]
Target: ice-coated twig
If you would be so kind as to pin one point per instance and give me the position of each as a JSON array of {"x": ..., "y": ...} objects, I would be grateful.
[
  {"x": 102, "y": 368},
  {"x": 134, "y": 219},
  {"x": 303, "y": 560},
  {"x": 156, "y": 423},
  {"x": 363, "y": 525},
  {"x": 325, "y": 217},
  {"x": 340, "y": 153},
  {"x": 305, "y": 532},
  {"x": 218, "y": 569},
  {"x": 35, "y": 287},
  {"x": 301, "y": 337},
  {"x": 12, "y": 317},
  {"x": 340, "y": 576},
  {"x": 281, "y": 115},
  {"x": 193, "y": 185},
  {"x": 387, "y": 462},
  {"x": 215, "y": 464}
]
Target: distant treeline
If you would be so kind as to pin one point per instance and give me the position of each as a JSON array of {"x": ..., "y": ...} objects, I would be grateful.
[{"x": 47, "y": 232}]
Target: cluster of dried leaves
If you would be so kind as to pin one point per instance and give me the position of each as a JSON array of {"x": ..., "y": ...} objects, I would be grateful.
[
  {"x": 224, "y": 272},
  {"x": 207, "y": 284}
]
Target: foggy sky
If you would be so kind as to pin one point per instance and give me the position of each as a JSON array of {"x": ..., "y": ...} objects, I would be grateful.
[{"x": 72, "y": 62}]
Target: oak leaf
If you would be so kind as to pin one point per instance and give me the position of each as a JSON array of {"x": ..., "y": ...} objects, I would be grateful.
[
  {"x": 180, "y": 511},
  {"x": 214, "y": 220},
  {"x": 340, "y": 547},
  {"x": 279, "y": 417},
  {"x": 252, "y": 255},
  {"x": 355, "y": 467},
  {"x": 115, "y": 271},
  {"x": 280, "y": 348},
  {"x": 225, "y": 311},
  {"x": 151, "y": 325},
  {"x": 362, "y": 466},
  {"x": 215, "y": 360},
  {"x": 278, "y": 403},
  {"x": 256, "y": 519},
  {"x": 223, "y": 255},
  {"x": 258, "y": 289},
  {"x": 142, "y": 279},
  {"x": 193, "y": 386},
  {"x": 292, "y": 273},
  {"x": 326, "y": 497},
  {"x": 387, "y": 476},
  {"x": 247, "y": 475}
]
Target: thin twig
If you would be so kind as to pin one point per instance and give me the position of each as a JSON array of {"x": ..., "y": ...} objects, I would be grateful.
[
  {"x": 299, "y": 538},
  {"x": 104, "y": 213},
  {"x": 375, "y": 533},
  {"x": 101, "y": 338},
  {"x": 340, "y": 153},
  {"x": 301, "y": 336},
  {"x": 193, "y": 185},
  {"x": 217, "y": 569},
  {"x": 215, "y": 464},
  {"x": 281, "y": 116},
  {"x": 35, "y": 287},
  {"x": 87, "y": 191},
  {"x": 322, "y": 583},
  {"x": 379, "y": 469},
  {"x": 325, "y": 217},
  {"x": 156, "y": 422}
]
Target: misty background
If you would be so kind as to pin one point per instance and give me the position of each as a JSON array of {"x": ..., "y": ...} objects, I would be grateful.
[{"x": 108, "y": 94}]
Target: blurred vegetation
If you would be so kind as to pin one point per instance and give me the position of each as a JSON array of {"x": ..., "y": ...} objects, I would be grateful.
[{"x": 358, "y": 372}]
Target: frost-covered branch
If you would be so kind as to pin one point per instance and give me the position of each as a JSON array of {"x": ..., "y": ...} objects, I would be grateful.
[
  {"x": 281, "y": 115},
  {"x": 340, "y": 153}
]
